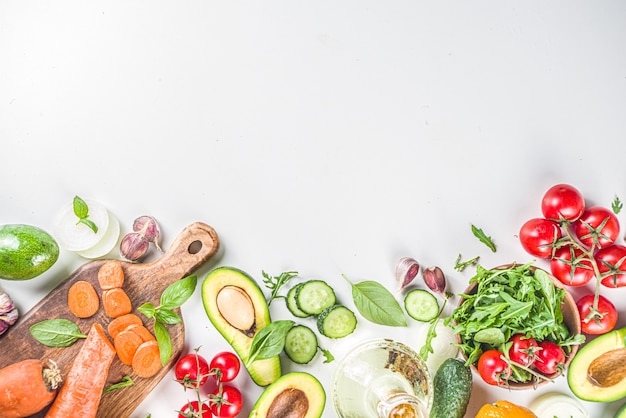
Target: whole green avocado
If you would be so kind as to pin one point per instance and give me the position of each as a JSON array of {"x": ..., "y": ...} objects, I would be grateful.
[{"x": 26, "y": 251}]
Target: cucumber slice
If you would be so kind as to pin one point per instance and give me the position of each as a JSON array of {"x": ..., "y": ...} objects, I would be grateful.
[
  {"x": 314, "y": 296},
  {"x": 336, "y": 321},
  {"x": 300, "y": 344},
  {"x": 292, "y": 305},
  {"x": 421, "y": 305}
]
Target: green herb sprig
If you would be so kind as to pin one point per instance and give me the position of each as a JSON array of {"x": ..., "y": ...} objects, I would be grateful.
[
  {"x": 172, "y": 297},
  {"x": 124, "y": 383},
  {"x": 81, "y": 210},
  {"x": 56, "y": 332},
  {"x": 617, "y": 205},
  {"x": 460, "y": 265},
  {"x": 274, "y": 283},
  {"x": 376, "y": 303},
  {"x": 484, "y": 238}
]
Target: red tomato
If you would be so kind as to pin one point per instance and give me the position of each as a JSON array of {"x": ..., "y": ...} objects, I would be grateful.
[
  {"x": 562, "y": 202},
  {"x": 228, "y": 364},
  {"x": 538, "y": 236},
  {"x": 612, "y": 265},
  {"x": 194, "y": 412},
  {"x": 192, "y": 370},
  {"x": 522, "y": 349},
  {"x": 232, "y": 405},
  {"x": 550, "y": 359},
  {"x": 571, "y": 267},
  {"x": 597, "y": 225},
  {"x": 493, "y": 369},
  {"x": 601, "y": 323}
]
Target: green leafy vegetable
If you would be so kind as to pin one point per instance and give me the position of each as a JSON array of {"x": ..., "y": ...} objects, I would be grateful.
[
  {"x": 270, "y": 341},
  {"x": 172, "y": 297},
  {"x": 617, "y": 205},
  {"x": 56, "y": 332},
  {"x": 377, "y": 304},
  {"x": 427, "y": 348},
  {"x": 461, "y": 265},
  {"x": 125, "y": 382},
  {"x": 81, "y": 210},
  {"x": 328, "y": 356},
  {"x": 478, "y": 233},
  {"x": 275, "y": 283}
]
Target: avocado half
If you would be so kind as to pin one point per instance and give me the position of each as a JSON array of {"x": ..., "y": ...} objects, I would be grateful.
[
  {"x": 293, "y": 395},
  {"x": 237, "y": 308},
  {"x": 598, "y": 371}
]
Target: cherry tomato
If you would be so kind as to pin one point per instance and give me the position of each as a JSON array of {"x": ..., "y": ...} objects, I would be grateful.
[
  {"x": 232, "y": 405},
  {"x": 522, "y": 349},
  {"x": 612, "y": 265},
  {"x": 538, "y": 235},
  {"x": 602, "y": 323},
  {"x": 597, "y": 225},
  {"x": 562, "y": 202},
  {"x": 228, "y": 364},
  {"x": 186, "y": 412},
  {"x": 550, "y": 359},
  {"x": 571, "y": 267},
  {"x": 493, "y": 369},
  {"x": 192, "y": 370}
]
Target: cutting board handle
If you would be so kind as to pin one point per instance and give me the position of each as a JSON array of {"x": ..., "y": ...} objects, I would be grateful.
[{"x": 192, "y": 247}]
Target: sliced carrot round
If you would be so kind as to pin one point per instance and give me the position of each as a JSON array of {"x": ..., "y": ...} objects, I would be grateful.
[
  {"x": 126, "y": 344},
  {"x": 82, "y": 299},
  {"x": 111, "y": 275},
  {"x": 122, "y": 322},
  {"x": 143, "y": 332},
  {"x": 116, "y": 302},
  {"x": 147, "y": 359}
]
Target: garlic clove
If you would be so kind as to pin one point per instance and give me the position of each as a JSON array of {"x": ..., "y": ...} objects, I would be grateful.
[
  {"x": 8, "y": 312},
  {"x": 133, "y": 246},
  {"x": 435, "y": 279},
  {"x": 407, "y": 270},
  {"x": 149, "y": 228}
]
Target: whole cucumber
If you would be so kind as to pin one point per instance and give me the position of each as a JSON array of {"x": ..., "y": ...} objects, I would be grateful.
[{"x": 452, "y": 386}]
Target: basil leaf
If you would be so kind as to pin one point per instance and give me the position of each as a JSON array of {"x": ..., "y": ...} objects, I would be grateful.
[
  {"x": 148, "y": 309},
  {"x": 167, "y": 316},
  {"x": 478, "y": 233},
  {"x": 270, "y": 341},
  {"x": 377, "y": 304},
  {"x": 164, "y": 341},
  {"x": 178, "y": 292},
  {"x": 81, "y": 210},
  {"x": 56, "y": 332}
]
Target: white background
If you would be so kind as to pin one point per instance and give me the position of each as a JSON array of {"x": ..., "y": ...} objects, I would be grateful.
[{"x": 324, "y": 137}]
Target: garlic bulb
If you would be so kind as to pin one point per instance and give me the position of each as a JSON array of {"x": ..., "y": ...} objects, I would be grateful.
[{"x": 8, "y": 312}]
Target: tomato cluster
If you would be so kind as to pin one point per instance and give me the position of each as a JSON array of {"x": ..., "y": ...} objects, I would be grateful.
[
  {"x": 193, "y": 371},
  {"x": 581, "y": 243},
  {"x": 545, "y": 357}
]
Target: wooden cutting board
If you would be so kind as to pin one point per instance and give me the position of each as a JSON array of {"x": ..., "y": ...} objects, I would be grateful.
[{"x": 143, "y": 283}]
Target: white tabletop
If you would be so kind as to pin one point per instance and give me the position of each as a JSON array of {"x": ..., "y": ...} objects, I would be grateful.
[{"x": 324, "y": 137}]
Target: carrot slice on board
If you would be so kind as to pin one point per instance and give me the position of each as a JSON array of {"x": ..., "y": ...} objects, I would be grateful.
[
  {"x": 80, "y": 394},
  {"x": 122, "y": 322},
  {"x": 82, "y": 299},
  {"x": 116, "y": 302},
  {"x": 111, "y": 275},
  {"x": 126, "y": 344},
  {"x": 143, "y": 332},
  {"x": 147, "y": 359}
]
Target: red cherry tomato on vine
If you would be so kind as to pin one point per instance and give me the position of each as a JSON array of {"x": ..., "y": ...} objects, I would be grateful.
[
  {"x": 233, "y": 403},
  {"x": 597, "y": 225},
  {"x": 596, "y": 325},
  {"x": 523, "y": 349},
  {"x": 186, "y": 412},
  {"x": 192, "y": 370},
  {"x": 538, "y": 235},
  {"x": 493, "y": 369},
  {"x": 562, "y": 202},
  {"x": 228, "y": 364},
  {"x": 611, "y": 263},
  {"x": 571, "y": 267},
  {"x": 550, "y": 359}
]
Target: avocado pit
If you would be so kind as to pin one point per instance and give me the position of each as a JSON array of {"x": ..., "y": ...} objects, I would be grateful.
[
  {"x": 608, "y": 369},
  {"x": 290, "y": 403},
  {"x": 236, "y": 307}
]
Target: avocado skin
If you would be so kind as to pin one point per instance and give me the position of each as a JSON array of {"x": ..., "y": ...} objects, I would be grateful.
[
  {"x": 452, "y": 387},
  {"x": 288, "y": 384},
  {"x": 263, "y": 372},
  {"x": 577, "y": 371},
  {"x": 621, "y": 413},
  {"x": 26, "y": 251}
]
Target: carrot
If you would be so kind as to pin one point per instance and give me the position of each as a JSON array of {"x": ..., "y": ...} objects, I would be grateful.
[
  {"x": 116, "y": 302},
  {"x": 82, "y": 299},
  {"x": 147, "y": 359},
  {"x": 122, "y": 322},
  {"x": 126, "y": 344},
  {"x": 27, "y": 387},
  {"x": 143, "y": 332},
  {"x": 111, "y": 275},
  {"x": 80, "y": 394}
]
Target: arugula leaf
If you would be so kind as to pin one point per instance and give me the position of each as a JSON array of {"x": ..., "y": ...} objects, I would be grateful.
[
  {"x": 275, "y": 283},
  {"x": 81, "y": 210},
  {"x": 617, "y": 205},
  {"x": 478, "y": 233},
  {"x": 125, "y": 382},
  {"x": 377, "y": 304},
  {"x": 328, "y": 357},
  {"x": 270, "y": 341},
  {"x": 460, "y": 265}
]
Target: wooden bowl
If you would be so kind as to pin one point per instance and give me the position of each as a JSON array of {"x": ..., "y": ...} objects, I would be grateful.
[{"x": 571, "y": 319}]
